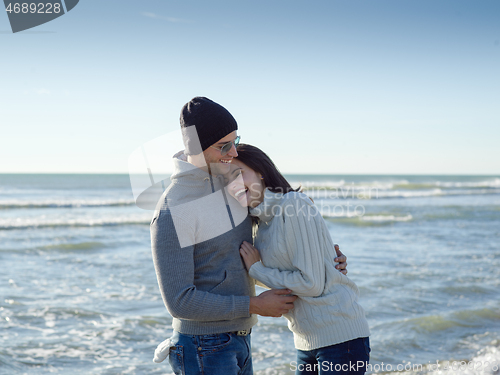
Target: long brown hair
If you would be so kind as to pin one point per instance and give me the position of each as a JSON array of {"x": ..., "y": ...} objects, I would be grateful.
[{"x": 258, "y": 160}]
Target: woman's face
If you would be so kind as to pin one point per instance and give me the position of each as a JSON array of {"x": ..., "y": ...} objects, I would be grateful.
[{"x": 246, "y": 185}]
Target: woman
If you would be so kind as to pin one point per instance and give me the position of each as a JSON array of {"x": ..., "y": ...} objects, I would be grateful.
[{"x": 296, "y": 252}]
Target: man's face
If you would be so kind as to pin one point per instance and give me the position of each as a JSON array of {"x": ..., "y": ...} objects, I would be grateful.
[{"x": 218, "y": 163}]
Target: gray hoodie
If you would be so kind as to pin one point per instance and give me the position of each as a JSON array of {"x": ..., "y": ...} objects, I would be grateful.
[{"x": 196, "y": 233}]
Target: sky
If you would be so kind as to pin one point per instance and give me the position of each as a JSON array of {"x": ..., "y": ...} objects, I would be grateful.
[{"x": 334, "y": 87}]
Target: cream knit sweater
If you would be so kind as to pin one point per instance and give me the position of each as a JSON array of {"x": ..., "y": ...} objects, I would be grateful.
[{"x": 297, "y": 253}]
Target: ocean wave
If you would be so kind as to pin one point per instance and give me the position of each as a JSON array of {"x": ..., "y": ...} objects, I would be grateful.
[
  {"x": 74, "y": 246},
  {"x": 492, "y": 183},
  {"x": 382, "y": 218},
  {"x": 401, "y": 188},
  {"x": 352, "y": 218},
  {"x": 61, "y": 203},
  {"x": 460, "y": 290},
  {"x": 42, "y": 222},
  {"x": 412, "y": 194},
  {"x": 485, "y": 362},
  {"x": 440, "y": 322},
  {"x": 342, "y": 185},
  {"x": 394, "y": 194}
]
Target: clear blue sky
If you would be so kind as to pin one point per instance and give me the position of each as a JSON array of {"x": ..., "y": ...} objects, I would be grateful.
[{"x": 351, "y": 86}]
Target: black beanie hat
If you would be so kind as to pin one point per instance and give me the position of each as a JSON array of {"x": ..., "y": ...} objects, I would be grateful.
[{"x": 213, "y": 122}]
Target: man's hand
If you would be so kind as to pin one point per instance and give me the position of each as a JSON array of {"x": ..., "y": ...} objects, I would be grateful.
[
  {"x": 250, "y": 254},
  {"x": 341, "y": 259},
  {"x": 274, "y": 302}
]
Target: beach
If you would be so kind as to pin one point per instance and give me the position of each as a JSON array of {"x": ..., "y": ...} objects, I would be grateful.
[{"x": 78, "y": 291}]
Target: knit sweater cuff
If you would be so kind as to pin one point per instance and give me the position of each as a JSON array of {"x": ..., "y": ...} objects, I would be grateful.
[
  {"x": 241, "y": 307},
  {"x": 256, "y": 271}
]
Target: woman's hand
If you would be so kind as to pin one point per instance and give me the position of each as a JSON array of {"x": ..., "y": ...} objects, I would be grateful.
[
  {"x": 341, "y": 259},
  {"x": 249, "y": 254}
]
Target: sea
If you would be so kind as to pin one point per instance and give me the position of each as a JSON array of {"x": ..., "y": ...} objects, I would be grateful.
[{"x": 79, "y": 295}]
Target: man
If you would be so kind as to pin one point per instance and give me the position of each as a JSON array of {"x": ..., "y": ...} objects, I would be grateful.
[{"x": 196, "y": 234}]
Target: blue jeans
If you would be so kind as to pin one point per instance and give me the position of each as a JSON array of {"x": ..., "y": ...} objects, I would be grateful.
[
  {"x": 220, "y": 353},
  {"x": 348, "y": 357}
]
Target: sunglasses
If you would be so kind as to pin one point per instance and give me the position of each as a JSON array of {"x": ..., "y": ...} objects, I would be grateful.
[{"x": 227, "y": 147}]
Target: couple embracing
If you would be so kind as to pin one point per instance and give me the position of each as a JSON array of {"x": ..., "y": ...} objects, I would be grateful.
[{"x": 229, "y": 219}]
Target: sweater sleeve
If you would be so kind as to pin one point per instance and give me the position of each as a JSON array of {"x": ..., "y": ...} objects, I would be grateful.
[
  {"x": 305, "y": 248},
  {"x": 174, "y": 268}
]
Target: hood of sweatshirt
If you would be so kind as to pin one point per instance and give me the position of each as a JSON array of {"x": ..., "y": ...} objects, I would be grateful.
[
  {"x": 189, "y": 182},
  {"x": 199, "y": 200}
]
